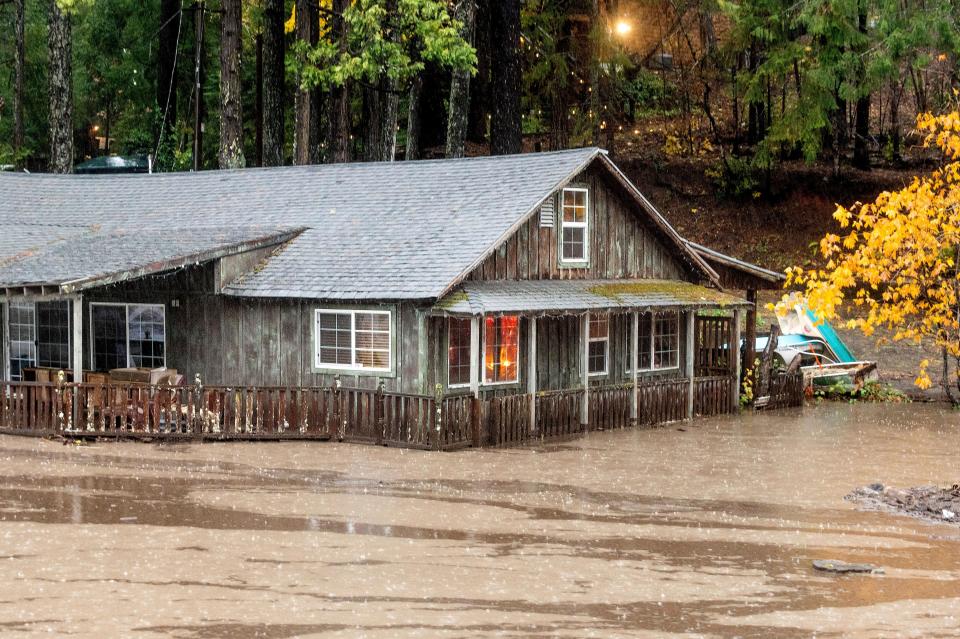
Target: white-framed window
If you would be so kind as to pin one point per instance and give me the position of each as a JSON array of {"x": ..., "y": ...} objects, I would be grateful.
[
  {"x": 658, "y": 340},
  {"x": 459, "y": 330},
  {"x": 353, "y": 340},
  {"x": 574, "y": 226},
  {"x": 598, "y": 348},
  {"x": 128, "y": 336},
  {"x": 501, "y": 349}
]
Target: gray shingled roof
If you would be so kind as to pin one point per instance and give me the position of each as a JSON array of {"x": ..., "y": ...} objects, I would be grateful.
[
  {"x": 560, "y": 296},
  {"x": 74, "y": 258},
  {"x": 395, "y": 230}
]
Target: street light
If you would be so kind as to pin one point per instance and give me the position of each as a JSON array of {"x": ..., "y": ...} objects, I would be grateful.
[{"x": 622, "y": 27}]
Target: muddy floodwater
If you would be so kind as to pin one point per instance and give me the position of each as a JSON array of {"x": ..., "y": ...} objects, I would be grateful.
[{"x": 707, "y": 528}]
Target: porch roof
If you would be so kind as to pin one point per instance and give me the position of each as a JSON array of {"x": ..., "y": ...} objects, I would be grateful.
[
  {"x": 570, "y": 296},
  {"x": 87, "y": 257}
]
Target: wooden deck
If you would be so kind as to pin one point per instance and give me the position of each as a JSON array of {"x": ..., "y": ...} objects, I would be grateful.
[{"x": 351, "y": 414}]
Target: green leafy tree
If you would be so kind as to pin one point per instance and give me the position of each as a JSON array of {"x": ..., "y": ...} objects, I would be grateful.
[{"x": 387, "y": 43}]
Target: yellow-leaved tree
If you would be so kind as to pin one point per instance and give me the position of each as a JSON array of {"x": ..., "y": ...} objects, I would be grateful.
[{"x": 896, "y": 259}]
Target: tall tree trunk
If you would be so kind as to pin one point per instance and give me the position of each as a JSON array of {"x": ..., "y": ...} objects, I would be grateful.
[
  {"x": 258, "y": 102},
  {"x": 372, "y": 130},
  {"x": 273, "y": 80},
  {"x": 505, "y": 124},
  {"x": 338, "y": 112},
  {"x": 18, "y": 68},
  {"x": 390, "y": 105},
  {"x": 383, "y": 146},
  {"x": 413, "y": 150},
  {"x": 861, "y": 129},
  {"x": 231, "y": 106},
  {"x": 170, "y": 25},
  {"x": 306, "y": 141},
  {"x": 861, "y": 152},
  {"x": 459, "y": 111},
  {"x": 60, "y": 91},
  {"x": 595, "y": 72},
  {"x": 480, "y": 84}
]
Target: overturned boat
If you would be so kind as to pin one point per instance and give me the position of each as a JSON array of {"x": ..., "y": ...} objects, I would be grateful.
[{"x": 816, "y": 349}]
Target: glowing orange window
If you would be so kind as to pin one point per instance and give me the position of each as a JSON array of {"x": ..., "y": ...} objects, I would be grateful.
[{"x": 501, "y": 349}]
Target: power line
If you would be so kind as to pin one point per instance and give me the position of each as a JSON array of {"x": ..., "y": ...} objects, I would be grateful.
[{"x": 173, "y": 74}]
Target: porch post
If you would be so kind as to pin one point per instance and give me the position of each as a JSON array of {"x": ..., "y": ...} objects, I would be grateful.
[
  {"x": 585, "y": 370},
  {"x": 5, "y": 330},
  {"x": 77, "y": 358},
  {"x": 691, "y": 352},
  {"x": 634, "y": 364},
  {"x": 735, "y": 352},
  {"x": 475, "y": 367},
  {"x": 532, "y": 372},
  {"x": 750, "y": 337}
]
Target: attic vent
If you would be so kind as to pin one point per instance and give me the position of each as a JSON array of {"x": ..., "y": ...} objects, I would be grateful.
[{"x": 547, "y": 213}]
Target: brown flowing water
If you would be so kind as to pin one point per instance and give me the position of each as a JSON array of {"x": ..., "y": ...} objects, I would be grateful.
[{"x": 706, "y": 528}]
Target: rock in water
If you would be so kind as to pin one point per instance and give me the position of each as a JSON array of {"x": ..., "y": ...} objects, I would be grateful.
[{"x": 842, "y": 567}]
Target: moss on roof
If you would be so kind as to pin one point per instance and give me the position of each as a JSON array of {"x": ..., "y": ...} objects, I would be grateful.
[
  {"x": 452, "y": 300},
  {"x": 683, "y": 291}
]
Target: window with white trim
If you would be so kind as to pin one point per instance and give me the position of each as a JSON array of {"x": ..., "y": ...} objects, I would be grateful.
[
  {"x": 659, "y": 342},
  {"x": 598, "y": 348},
  {"x": 128, "y": 336},
  {"x": 501, "y": 349},
  {"x": 353, "y": 340},
  {"x": 458, "y": 351},
  {"x": 574, "y": 226}
]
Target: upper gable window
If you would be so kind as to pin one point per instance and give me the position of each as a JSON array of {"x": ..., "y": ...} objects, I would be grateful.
[{"x": 574, "y": 226}]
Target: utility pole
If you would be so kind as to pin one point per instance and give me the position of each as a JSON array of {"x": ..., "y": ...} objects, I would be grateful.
[{"x": 198, "y": 11}]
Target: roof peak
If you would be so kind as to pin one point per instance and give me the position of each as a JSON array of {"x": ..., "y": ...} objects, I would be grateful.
[{"x": 316, "y": 168}]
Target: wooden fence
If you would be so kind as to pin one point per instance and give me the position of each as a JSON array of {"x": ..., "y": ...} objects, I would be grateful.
[{"x": 347, "y": 414}]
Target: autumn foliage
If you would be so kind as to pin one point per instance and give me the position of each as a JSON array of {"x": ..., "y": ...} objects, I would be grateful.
[{"x": 895, "y": 259}]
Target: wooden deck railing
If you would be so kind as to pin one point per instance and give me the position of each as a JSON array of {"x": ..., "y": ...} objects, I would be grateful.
[
  {"x": 662, "y": 401},
  {"x": 349, "y": 414},
  {"x": 786, "y": 390},
  {"x": 711, "y": 396}
]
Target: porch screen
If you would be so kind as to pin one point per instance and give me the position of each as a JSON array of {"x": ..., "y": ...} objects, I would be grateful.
[
  {"x": 458, "y": 351},
  {"x": 501, "y": 348}
]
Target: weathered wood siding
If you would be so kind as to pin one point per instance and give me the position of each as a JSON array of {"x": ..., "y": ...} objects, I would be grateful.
[
  {"x": 231, "y": 341},
  {"x": 624, "y": 244}
]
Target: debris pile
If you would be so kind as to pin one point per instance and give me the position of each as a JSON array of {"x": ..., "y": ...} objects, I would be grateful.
[
  {"x": 842, "y": 567},
  {"x": 926, "y": 502}
]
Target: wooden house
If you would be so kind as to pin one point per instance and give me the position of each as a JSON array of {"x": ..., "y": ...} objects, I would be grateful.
[{"x": 543, "y": 288}]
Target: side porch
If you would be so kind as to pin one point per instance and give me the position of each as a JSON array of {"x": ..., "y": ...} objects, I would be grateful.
[{"x": 555, "y": 359}]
